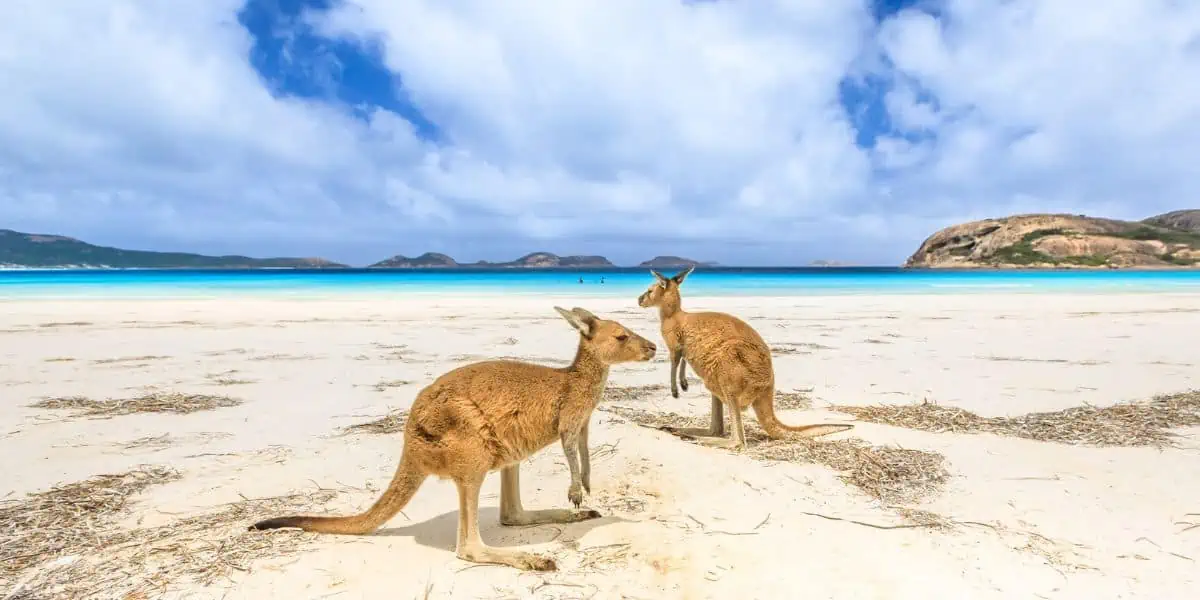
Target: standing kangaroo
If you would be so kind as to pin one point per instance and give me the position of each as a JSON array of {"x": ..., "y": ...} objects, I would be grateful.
[
  {"x": 731, "y": 359},
  {"x": 490, "y": 415}
]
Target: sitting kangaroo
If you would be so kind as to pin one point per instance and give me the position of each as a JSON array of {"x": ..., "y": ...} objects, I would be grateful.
[
  {"x": 491, "y": 415},
  {"x": 731, "y": 359}
]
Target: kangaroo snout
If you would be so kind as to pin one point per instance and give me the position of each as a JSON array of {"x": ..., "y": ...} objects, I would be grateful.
[{"x": 651, "y": 349}]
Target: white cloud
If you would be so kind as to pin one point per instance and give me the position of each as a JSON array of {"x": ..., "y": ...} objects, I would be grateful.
[
  {"x": 626, "y": 107},
  {"x": 910, "y": 112},
  {"x": 625, "y": 127},
  {"x": 1049, "y": 106},
  {"x": 142, "y": 115}
]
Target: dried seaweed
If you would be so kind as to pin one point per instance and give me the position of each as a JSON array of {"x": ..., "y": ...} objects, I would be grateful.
[
  {"x": 792, "y": 400},
  {"x": 390, "y": 383},
  {"x": 68, "y": 543},
  {"x": 393, "y": 422},
  {"x": 154, "y": 402},
  {"x": 1146, "y": 423},
  {"x": 889, "y": 474},
  {"x": 152, "y": 443},
  {"x": 632, "y": 393}
]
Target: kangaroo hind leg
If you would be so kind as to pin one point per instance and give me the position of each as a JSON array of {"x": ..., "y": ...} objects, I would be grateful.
[
  {"x": 735, "y": 417},
  {"x": 513, "y": 514},
  {"x": 738, "y": 440},
  {"x": 470, "y": 545}
]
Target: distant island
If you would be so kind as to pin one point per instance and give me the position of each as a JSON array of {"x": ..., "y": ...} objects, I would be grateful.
[
  {"x": 534, "y": 260},
  {"x": 36, "y": 250},
  {"x": 674, "y": 261},
  {"x": 32, "y": 250},
  {"x": 1170, "y": 240},
  {"x": 429, "y": 260}
]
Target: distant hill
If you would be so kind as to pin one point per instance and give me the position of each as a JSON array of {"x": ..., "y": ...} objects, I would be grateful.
[
  {"x": 1058, "y": 240},
  {"x": 546, "y": 259},
  {"x": 534, "y": 260},
  {"x": 674, "y": 261},
  {"x": 1186, "y": 220},
  {"x": 47, "y": 251},
  {"x": 424, "y": 261}
]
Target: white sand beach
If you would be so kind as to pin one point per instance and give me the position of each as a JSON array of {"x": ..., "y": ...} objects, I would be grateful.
[{"x": 1022, "y": 518}]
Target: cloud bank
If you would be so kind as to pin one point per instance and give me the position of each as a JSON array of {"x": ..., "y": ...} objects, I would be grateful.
[{"x": 772, "y": 132}]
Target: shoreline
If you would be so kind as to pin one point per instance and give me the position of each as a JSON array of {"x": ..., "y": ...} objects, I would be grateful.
[
  {"x": 468, "y": 268},
  {"x": 539, "y": 283},
  {"x": 433, "y": 303},
  {"x": 491, "y": 293}
]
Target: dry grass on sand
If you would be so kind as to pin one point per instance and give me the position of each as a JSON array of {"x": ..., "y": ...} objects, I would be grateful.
[
  {"x": 227, "y": 378},
  {"x": 150, "y": 443},
  {"x": 390, "y": 383},
  {"x": 889, "y": 474},
  {"x": 1128, "y": 424},
  {"x": 393, "y": 422},
  {"x": 128, "y": 359},
  {"x": 153, "y": 402},
  {"x": 632, "y": 393},
  {"x": 792, "y": 400},
  {"x": 67, "y": 542}
]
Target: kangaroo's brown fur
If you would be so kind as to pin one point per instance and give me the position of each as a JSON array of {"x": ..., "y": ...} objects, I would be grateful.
[
  {"x": 491, "y": 415},
  {"x": 731, "y": 359}
]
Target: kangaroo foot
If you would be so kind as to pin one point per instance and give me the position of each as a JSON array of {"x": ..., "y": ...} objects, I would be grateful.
[
  {"x": 549, "y": 515},
  {"x": 720, "y": 442},
  {"x": 525, "y": 561}
]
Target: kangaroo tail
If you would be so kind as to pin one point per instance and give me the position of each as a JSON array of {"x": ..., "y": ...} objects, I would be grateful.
[
  {"x": 764, "y": 409},
  {"x": 404, "y": 485}
]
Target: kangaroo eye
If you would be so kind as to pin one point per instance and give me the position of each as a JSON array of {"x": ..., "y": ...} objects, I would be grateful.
[{"x": 622, "y": 337}]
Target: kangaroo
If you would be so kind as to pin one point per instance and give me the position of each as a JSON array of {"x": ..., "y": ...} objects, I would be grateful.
[
  {"x": 730, "y": 358},
  {"x": 490, "y": 415}
]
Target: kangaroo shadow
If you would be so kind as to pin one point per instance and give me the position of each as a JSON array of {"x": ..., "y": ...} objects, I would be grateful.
[{"x": 441, "y": 532}]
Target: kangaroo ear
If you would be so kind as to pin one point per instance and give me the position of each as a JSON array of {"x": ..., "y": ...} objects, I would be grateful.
[
  {"x": 680, "y": 276},
  {"x": 584, "y": 314},
  {"x": 582, "y": 324},
  {"x": 659, "y": 276}
]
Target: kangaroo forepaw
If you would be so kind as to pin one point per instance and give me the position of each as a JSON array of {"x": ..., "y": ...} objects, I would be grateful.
[
  {"x": 683, "y": 384},
  {"x": 575, "y": 495}
]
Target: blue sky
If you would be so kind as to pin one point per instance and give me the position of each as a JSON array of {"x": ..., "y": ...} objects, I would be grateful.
[{"x": 775, "y": 132}]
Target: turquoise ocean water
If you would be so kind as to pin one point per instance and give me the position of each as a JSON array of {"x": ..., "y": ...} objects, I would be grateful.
[{"x": 17, "y": 285}]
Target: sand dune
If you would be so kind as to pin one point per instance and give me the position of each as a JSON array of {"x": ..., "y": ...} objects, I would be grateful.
[{"x": 272, "y": 385}]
